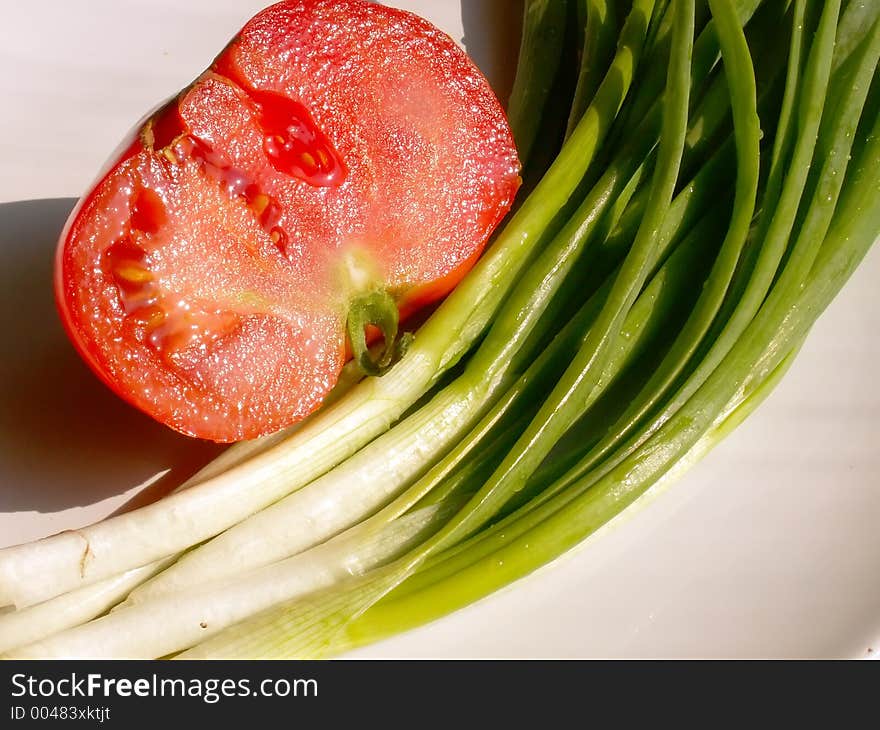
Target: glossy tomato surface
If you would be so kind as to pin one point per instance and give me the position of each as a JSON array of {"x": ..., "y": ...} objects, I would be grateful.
[{"x": 335, "y": 148}]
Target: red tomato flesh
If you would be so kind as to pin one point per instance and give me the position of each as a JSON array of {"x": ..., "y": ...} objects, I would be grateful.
[{"x": 334, "y": 148}]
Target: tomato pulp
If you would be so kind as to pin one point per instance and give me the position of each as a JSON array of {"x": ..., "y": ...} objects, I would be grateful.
[{"x": 337, "y": 157}]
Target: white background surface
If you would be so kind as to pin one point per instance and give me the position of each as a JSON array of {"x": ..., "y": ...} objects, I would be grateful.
[{"x": 768, "y": 548}]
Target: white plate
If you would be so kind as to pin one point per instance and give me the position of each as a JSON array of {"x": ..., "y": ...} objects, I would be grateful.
[{"x": 770, "y": 547}]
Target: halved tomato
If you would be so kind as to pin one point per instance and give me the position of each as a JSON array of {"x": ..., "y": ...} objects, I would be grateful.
[{"x": 339, "y": 165}]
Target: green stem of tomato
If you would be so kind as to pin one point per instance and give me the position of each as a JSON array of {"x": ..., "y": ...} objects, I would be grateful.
[{"x": 373, "y": 309}]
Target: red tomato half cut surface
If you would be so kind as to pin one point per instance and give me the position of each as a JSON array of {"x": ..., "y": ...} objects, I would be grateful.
[{"x": 340, "y": 162}]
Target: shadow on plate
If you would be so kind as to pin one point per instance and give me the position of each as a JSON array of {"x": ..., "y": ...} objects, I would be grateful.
[
  {"x": 494, "y": 54},
  {"x": 65, "y": 438}
]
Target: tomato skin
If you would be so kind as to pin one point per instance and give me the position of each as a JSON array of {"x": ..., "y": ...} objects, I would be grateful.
[{"x": 206, "y": 276}]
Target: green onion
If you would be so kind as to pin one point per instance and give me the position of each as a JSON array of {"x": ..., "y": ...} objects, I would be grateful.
[
  {"x": 540, "y": 53},
  {"x": 171, "y": 623},
  {"x": 597, "y": 49}
]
